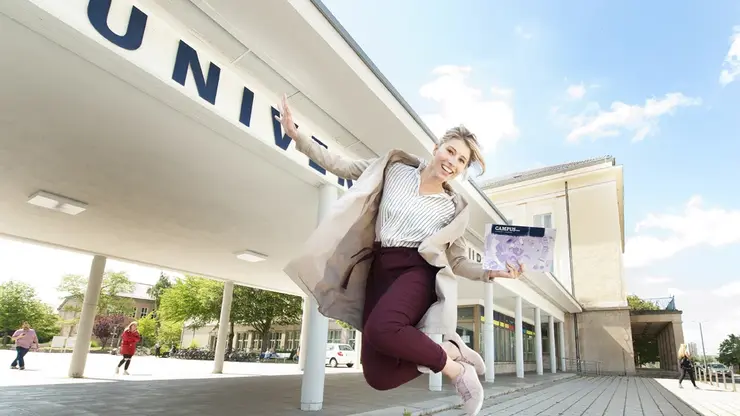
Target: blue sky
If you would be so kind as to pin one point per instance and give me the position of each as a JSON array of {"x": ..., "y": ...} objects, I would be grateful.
[{"x": 549, "y": 82}]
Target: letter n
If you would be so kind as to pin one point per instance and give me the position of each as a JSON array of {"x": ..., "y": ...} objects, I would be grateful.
[
  {"x": 97, "y": 14},
  {"x": 186, "y": 58}
]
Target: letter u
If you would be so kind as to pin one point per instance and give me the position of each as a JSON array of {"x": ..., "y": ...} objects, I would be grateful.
[{"x": 97, "y": 13}]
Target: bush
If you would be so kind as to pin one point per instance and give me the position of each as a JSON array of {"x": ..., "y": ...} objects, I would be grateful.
[
  {"x": 94, "y": 344},
  {"x": 193, "y": 344}
]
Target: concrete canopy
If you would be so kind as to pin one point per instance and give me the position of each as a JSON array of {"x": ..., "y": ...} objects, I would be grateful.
[{"x": 169, "y": 181}]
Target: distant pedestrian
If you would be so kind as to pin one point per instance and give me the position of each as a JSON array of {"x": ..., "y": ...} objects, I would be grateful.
[
  {"x": 25, "y": 339},
  {"x": 129, "y": 338},
  {"x": 157, "y": 349},
  {"x": 687, "y": 366}
]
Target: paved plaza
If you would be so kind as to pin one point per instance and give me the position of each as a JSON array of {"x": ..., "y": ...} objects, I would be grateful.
[{"x": 182, "y": 387}]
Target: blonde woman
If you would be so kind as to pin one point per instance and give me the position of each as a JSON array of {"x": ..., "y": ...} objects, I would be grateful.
[
  {"x": 687, "y": 366},
  {"x": 129, "y": 338},
  {"x": 387, "y": 256}
]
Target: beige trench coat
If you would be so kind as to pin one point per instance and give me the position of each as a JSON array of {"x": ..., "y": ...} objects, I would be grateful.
[{"x": 322, "y": 267}]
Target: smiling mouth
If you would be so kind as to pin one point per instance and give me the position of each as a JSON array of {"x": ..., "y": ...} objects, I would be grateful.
[{"x": 446, "y": 169}]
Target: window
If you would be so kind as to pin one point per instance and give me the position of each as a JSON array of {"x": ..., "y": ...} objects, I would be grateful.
[
  {"x": 256, "y": 341},
  {"x": 292, "y": 339},
  {"x": 335, "y": 336},
  {"x": 144, "y": 312},
  {"x": 353, "y": 338},
  {"x": 133, "y": 312},
  {"x": 343, "y": 347},
  {"x": 275, "y": 338}
]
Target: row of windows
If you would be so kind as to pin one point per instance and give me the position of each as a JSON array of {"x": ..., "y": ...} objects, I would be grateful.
[{"x": 282, "y": 340}]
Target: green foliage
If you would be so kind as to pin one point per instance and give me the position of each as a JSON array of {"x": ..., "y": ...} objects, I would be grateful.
[
  {"x": 193, "y": 344},
  {"x": 344, "y": 324},
  {"x": 94, "y": 344},
  {"x": 170, "y": 333},
  {"x": 638, "y": 304},
  {"x": 114, "y": 283},
  {"x": 147, "y": 330},
  {"x": 159, "y": 288},
  {"x": 193, "y": 299},
  {"x": 261, "y": 309},
  {"x": 646, "y": 351},
  {"x": 729, "y": 351},
  {"x": 18, "y": 303}
]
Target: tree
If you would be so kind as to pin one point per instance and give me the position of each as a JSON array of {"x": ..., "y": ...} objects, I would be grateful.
[
  {"x": 147, "y": 329},
  {"x": 19, "y": 303},
  {"x": 261, "y": 309},
  {"x": 195, "y": 300},
  {"x": 109, "y": 303},
  {"x": 170, "y": 333},
  {"x": 159, "y": 288},
  {"x": 109, "y": 326},
  {"x": 729, "y": 351},
  {"x": 638, "y": 304}
]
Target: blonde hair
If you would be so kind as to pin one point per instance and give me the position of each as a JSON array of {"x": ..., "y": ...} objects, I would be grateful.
[
  {"x": 462, "y": 133},
  {"x": 682, "y": 351},
  {"x": 132, "y": 323}
]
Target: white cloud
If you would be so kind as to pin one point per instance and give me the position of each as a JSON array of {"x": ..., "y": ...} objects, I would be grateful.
[
  {"x": 731, "y": 289},
  {"x": 731, "y": 64},
  {"x": 596, "y": 123},
  {"x": 576, "y": 91},
  {"x": 696, "y": 226},
  {"x": 521, "y": 32},
  {"x": 492, "y": 120}
]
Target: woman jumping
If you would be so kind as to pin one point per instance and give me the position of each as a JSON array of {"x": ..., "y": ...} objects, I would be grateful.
[
  {"x": 403, "y": 215},
  {"x": 129, "y": 338}
]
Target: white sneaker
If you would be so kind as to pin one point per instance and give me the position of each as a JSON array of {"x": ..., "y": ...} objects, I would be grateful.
[
  {"x": 125, "y": 373},
  {"x": 458, "y": 351},
  {"x": 470, "y": 390}
]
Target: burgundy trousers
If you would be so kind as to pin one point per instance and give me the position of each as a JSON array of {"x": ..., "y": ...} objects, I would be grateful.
[{"x": 399, "y": 291}]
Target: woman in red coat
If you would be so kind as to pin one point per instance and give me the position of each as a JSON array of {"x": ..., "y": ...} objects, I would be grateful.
[{"x": 129, "y": 338}]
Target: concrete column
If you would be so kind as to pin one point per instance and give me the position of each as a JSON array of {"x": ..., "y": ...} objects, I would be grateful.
[
  {"x": 488, "y": 333},
  {"x": 222, "y": 338},
  {"x": 358, "y": 347},
  {"x": 538, "y": 340},
  {"x": 553, "y": 356},
  {"x": 519, "y": 340},
  {"x": 87, "y": 318},
  {"x": 435, "y": 380},
  {"x": 316, "y": 328},
  {"x": 561, "y": 341},
  {"x": 304, "y": 331}
]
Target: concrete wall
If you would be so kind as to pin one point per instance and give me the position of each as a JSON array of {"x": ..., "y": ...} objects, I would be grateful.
[
  {"x": 606, "y": 336},
  {"x": 597, "y": 246}
]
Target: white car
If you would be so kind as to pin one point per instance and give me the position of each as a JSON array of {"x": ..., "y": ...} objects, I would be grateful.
[{"x": 340, "y": 354}]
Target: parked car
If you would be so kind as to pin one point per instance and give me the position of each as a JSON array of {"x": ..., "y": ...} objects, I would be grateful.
[
  {"x": 719, "y": 369},
  {"x": 340, "y": 354}
]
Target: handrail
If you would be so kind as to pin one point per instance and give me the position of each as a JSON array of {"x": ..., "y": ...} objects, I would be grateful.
[{"x": 583, "y": 367}]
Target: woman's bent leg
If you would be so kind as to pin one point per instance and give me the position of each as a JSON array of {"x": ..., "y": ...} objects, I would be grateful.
[{"x": 393, "y": 348}]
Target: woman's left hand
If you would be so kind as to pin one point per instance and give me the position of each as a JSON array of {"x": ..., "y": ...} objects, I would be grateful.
[{"x": 510, "y": 273}]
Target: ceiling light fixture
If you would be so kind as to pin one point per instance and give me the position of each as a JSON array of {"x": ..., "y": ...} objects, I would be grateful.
[
  {"x": 251, "y": 256},
  {"x": 57, "y": 203}
]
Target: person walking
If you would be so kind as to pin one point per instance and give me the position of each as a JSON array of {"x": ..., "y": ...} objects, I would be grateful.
[
  {"x": 687, "y": 366},
  {"x": 25, "y": 339},
  {"x": 391, "y": 249},
  {"x": 129, "y": 338}
]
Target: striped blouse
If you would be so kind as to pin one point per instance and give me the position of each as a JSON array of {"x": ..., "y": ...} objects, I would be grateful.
[{"x": 406, "y": 218}]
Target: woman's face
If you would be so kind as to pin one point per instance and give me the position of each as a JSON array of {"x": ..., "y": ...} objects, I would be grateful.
[
  {"x": 450, "y": 159},
  {"x": 133, "y": 327},
  {"x": 26, "y": 326}
]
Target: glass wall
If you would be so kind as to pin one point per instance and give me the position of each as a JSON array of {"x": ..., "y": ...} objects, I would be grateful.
[{"x": 504, "y": 337}]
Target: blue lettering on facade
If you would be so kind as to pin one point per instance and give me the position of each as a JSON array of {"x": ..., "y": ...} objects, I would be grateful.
[
  {"x": 97, "y": 14},
  {"x": 187, "y": 57},
  {"x": 245, "y": 114}
]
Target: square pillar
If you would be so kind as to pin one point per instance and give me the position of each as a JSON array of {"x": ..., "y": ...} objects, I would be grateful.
[
  {"x": 222, "y": 338},
  {"x": 316, "y": 327},
  {"x": 488, "y": 333},
  {"x": 561, "y": 341},
  {"x": 435, "y": 380},
  {"x": 553, "y": 356},
  {"x": 519, "y": 340},
  {"x": 87, "y": 318},
  {"x": 538, "y": 340}
]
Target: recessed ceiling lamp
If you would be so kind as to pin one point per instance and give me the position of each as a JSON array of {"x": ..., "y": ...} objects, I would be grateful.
[
  {"x": 251, "y": 256},
  {"x": 57, "y": 203}
]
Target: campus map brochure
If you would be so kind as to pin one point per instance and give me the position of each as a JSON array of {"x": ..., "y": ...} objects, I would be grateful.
[{"x": 532, "y": 246}]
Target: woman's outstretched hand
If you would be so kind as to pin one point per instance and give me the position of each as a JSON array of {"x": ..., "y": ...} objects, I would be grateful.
[
  {"x": 510, "y": 273},
  {"x": 286, "y": 119}
]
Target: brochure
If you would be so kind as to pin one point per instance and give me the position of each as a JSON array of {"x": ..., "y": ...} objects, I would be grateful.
[{"x": 532, "y": 246}]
